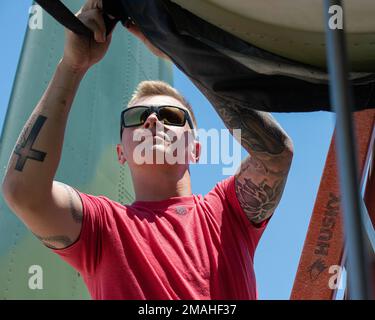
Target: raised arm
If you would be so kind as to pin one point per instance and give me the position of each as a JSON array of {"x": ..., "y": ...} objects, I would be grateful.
[
  {"x": 261, "y": 179},
  {"x": 52, "y": 210}
]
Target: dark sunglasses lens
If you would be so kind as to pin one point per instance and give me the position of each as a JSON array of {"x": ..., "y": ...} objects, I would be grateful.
[
  {"x": 172, "y": 116},
  {"x": 135, "y": 116}
]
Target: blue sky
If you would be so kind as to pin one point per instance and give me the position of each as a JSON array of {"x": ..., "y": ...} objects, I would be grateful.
[{"x": 279, "y": 250}]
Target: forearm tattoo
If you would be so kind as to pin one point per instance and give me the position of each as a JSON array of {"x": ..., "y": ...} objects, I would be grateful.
[
  {"x": 258, "y": 200},
  {"x": 260, "y": 133},
  {"x": 262, "y": 176},
  {"x": 24, "y": 148}
]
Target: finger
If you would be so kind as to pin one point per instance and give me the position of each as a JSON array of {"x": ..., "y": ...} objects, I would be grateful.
[
  {"x": 99, "y": 20},
  {"x": 99, "y": 4},
  {"x": 93, "y": 4},
  {"x": 94, "y": 20}
]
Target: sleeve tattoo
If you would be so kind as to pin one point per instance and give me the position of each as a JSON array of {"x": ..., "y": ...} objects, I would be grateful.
[{"x": 262, "y": 176}]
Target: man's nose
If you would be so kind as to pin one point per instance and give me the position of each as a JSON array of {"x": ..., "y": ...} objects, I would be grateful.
[{"x": 151, "y": 121}]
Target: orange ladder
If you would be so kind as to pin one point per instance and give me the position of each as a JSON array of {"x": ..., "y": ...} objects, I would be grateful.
[{"x": 323, "y": 252}]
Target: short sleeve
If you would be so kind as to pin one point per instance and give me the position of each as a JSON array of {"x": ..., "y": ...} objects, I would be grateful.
[
  {"x": 85, "y": 253},
  {"x": 223, "y": 197}
]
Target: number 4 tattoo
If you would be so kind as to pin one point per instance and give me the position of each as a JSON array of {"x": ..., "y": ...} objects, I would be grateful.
[{"x": 25, "y": 150}]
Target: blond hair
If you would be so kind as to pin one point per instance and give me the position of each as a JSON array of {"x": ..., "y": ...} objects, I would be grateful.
[{"x": 154, "y": 88}]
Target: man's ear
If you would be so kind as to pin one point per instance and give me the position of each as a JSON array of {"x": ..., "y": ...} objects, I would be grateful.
[{"x": 120, "y": 154}]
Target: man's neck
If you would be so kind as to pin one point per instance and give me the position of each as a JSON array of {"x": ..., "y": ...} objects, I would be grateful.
[{"x": 155, "y": 184}]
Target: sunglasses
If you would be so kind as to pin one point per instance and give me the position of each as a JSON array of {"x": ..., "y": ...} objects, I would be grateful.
[{"x": 169, "y": 115}]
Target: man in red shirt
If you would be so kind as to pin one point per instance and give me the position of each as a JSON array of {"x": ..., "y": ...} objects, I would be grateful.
[{"x": 169, "y": 243}]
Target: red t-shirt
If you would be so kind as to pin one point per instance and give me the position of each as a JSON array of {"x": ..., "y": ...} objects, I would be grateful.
[{"x": 190, "y": 247}]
